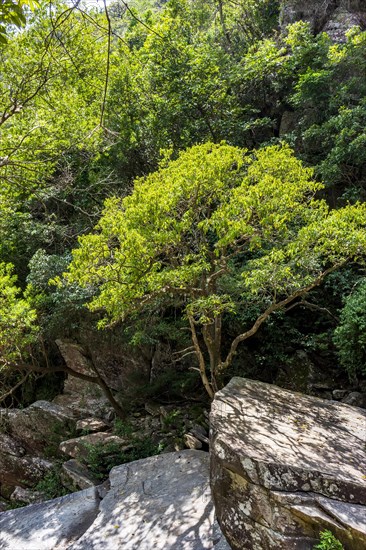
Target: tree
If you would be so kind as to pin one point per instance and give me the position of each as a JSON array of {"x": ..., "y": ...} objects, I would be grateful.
[
  {"x": 350, "y": 335},
  {"x": 17, "y": 320},
  {"x": 215, "y": 229},
  {"x": 51, "y": 92},
  {"x": 13, "y": 13},
  {"x": 19, "y": 330}
]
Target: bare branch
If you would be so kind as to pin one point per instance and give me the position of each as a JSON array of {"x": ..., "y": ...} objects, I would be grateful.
[
  {"x": 12, "y": 390},
  {"x": 271, "y": 309},
  {"x": 201, "y": 360}
]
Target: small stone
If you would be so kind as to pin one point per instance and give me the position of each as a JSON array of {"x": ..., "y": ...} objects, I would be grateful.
[
  {"x": 91, "y": 425},
  {"x": 192, "y": 442},
  {"x": 78, "y": 446},
  {"x": 3, "y": 505},
  {"x": 200, "y": 432},
  {"x": 27, "y": 495},
  {"x": 356, "y": 399},
  {"x": 163, "y": 411},
  {"x": 153, "y": 408},
  {"x": 338, "y": 394},
  {"x": 75, "y": 475}
]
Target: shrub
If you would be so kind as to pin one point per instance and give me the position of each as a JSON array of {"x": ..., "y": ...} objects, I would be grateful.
[
  {"x": 328, "y": 542},
  {"x": 350, "y": 335}
]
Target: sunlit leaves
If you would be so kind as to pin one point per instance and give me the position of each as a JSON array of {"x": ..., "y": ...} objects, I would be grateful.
[
  {"x": 12, "y": 12},
  {"x": 215, "y": 211},
  {"x": 17, "y": 320}
]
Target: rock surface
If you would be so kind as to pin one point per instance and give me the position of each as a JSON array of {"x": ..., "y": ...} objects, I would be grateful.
[
  {"x": 27, "y": 495},
  {"x": 30, "y": 432},
  {"x": 49, "y": 525},
  {"x": 285, "y": 466},
  {"x": 76, "y": 476},
  {"x": 91, "y": 425},
  {"x": 35, "y": 425},
  {"x": 79, "y": 446},
  {"x": 161, "y": 503},
  {"x": 332, "y": 16}
]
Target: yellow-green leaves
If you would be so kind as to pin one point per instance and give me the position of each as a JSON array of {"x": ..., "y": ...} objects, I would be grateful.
[
  {"x": 217, "y": 211},
  {"x": 17, "y": 320},
  {"x": 12, "y": 13}
]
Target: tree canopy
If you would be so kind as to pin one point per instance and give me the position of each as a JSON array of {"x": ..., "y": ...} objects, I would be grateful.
[
  {"x": 215, "y": 228},
  {"x": 95, "y": 100}
]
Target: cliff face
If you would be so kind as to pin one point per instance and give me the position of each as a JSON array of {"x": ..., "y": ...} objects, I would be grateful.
[{"x": 332, "y": 16}]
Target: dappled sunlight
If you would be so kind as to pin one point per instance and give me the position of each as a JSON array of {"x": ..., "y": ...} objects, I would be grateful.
[{"x": 160, "y": 502}]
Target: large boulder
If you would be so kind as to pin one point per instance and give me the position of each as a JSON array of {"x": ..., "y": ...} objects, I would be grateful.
[
  {"x": 16, "y": 467},
  {"x": 285, "y": 466},
  {"x": 161, "y": 503},
  {"x": 28, "y": 434},
  {"x": 39, "y": 425},
  {"x": 49, "y": 525}
]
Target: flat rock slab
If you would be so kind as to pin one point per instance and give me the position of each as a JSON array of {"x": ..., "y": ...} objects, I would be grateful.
[
  {"x": 159, "y": 503},
  {"x": 51, "y": 525},
  {"x": 286, "y": 441},
  {"x": 285, "y": 466}
]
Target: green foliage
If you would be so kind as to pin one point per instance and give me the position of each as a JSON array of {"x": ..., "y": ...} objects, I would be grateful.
[
  {"x": 18, "y": 328},
  {"x": 182, "y": 227},
  {"x": 328, "y": 542},
  {"x": 174, "y": 419},
  {"x": 82, "y": 116},
  {"x": 122, "y": 428},
  {"x": 331, "y": 100},
  {"x": 102, "y": 458},
  {"x": 59, "y": 309},
  {"x": 59, "y": 432},
  {"x": 14, "y": 13},
  {"x": 350, "y": 335},
  {"x": 51, "y": 485}
]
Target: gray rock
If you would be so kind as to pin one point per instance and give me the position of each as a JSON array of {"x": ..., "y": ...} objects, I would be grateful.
[
  {"x": 338, "y": 394},
  {"x": 10, "y": 446},
  {"x": 356, "y": 399},
  {"x": 332, "y": 16},
  {"x": 75, "y": 475},
  {"x": 160, "y": 503},
  {"x": 285, "y": 466},
  {"x": 200, "y": 433},
  {"x": 289, "y": 122},
  {"x": 35, "y": 425},
  {"x": 191, "y": 442},
  {"x": 3, "y": 505},
  {"x": 27, "y": 495},
  {"x": 15, "y": 470},
  {"x": 153, "y": 408},
  {"x": 340, "y": 22},
  {"x": 92, "y": 425},
  {"x": 50, "y": 525},
  {"x": 79, "y": 446}
]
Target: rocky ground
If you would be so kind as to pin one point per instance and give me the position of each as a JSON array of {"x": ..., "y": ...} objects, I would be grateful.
[{"x": 70, "y": 444}]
